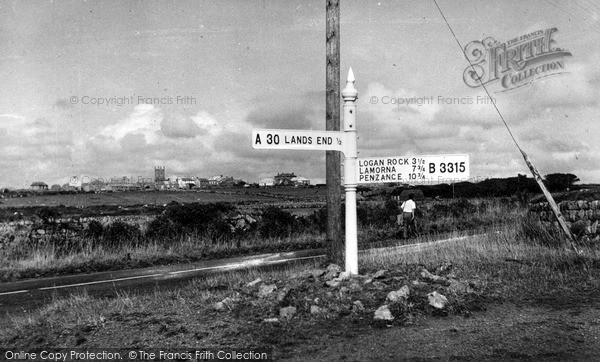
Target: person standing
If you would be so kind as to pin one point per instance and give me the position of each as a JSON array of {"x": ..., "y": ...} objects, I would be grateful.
[{"x": 408, "y": 215}]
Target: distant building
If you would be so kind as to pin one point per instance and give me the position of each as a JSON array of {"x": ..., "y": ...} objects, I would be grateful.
[
  {"x": 159, "y": 174},
  {"x": 284, "y": 179},
  {"x": 228, "y": 181},
  {"x": 215, "y": 180},
  {"x": 121, "y": 187},
  {"x": 222, "y": 181},
  {"x": 202, "y": 182},
  {"x": 266, "y": 182},
  {"x": 39, "y": 186},
  {"x": 186, "y": 183},
  {"x": 300, "y": 181}
]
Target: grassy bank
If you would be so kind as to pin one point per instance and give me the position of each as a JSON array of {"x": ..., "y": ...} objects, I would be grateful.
[
  {"x": 191, "y": 232},
  {"x": 500, "y": 268}
]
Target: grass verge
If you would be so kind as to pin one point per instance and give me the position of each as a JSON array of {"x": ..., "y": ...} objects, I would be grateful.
[{"x": 496, "y": 268}]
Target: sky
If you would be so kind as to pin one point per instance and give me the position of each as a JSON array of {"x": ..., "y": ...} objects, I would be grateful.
[{"x": 101, "y": 89}]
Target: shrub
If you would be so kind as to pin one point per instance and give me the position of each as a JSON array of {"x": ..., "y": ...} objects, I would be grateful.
[
  {"x": 48, "y": 215},
  {"x": 162, "y": 227},
  {"x": 94, "y": 229},
  {"x": 276, "y": 223},
  {"x": 203, "y": 219},
  {"x": 119, "y": 233},
  {"x": 376, "y": 215},
  {"x": 317, "y": 220}
]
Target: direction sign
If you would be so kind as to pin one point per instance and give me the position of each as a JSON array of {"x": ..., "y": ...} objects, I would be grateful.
[
  {"x": 413, "y": 169},
  {"x": 287, "y": 139}
]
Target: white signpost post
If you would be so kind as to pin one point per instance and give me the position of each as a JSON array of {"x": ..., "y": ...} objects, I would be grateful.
[{"x": 412, "y": 169}]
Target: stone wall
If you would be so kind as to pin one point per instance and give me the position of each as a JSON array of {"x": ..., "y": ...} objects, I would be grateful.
[{"x": 582, "y": 216}]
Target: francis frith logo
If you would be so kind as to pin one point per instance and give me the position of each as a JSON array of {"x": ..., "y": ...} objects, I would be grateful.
[{"x": 516, "y": 62}]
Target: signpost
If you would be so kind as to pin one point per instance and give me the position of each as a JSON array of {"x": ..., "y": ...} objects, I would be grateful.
[
  {"x": 402, "y": 169},
  {"x": 287, "y": 139},
  {"x": 344, "y": 141},
  {"x": 413, "y": 169}
]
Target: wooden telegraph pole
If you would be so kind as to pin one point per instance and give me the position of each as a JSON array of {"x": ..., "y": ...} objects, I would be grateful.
[{"x": 332, "y": 123}]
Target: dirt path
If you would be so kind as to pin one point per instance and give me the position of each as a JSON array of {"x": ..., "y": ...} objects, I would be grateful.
[{"x": 503, "y": 332}]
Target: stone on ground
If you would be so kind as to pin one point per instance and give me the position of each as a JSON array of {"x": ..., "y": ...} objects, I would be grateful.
[
  {"x": 399, "y": 295},
  {"x": 266, "y": 289},
  {"x": 383, "y": 313},
  {"x": 437, "y": 300},
  {"x": 287, "y": 313}
]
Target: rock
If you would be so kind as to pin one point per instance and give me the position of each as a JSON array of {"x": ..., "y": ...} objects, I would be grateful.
[
  {"x": 315, "y": 273},
  {"x": 266, "y": 290},
  {"x": 344, "y": 276},
  {"x": 282, "y": 294},
  {"x": 400, "y": 295},
  {"x": 383, "y": 313},
  {"x": 444, "y": 268},
  {"x": 240, "y": 224},
  {"x": 254, "y": 282},
  {"x": 594, "y": 227},
  {"x": 380, "y": 274},
  {"x": 358, "y": 307},
  {"x": 227, "y": 303},
  {"x": 287, "y": 313},
  {"x": 333, "y": 270},
  {"x": 315, "y": 309},
  {"x": 378, "y": 285},
  {"x": 355, "y": 287},
  {"x": 333, "y": 283},
  {"x": 437, "y": 300},
  {"x": 41, "y": 231},
  {"x": 459, "y": 287},
  {"x": 578, "y": 228},
  {"x": 425, "y": 274},
  {"x": 220, "y": 306}
]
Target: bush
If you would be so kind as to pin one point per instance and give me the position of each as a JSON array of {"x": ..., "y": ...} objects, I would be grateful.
[
  {"x": 94, "y": 230},
  {"x": 276, "y": 223},
  {"x": 48, "y": 215},
  {"x": 120, "y": 233},
  {"x": 376, "y": 215},
  {"x": 317, "y": 220},
  {"x": 162, "y": 227},
  {"x": 202, "y": 219}
]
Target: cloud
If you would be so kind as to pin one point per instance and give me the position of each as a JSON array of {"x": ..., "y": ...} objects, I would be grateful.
[
  {"x": 145, "y": 119},
  {"x": 63, "y": 103},
  {"x": 178, "y": 126},
  {"x": 17, "y": 116},
  {"x": 282, "y": 111}
]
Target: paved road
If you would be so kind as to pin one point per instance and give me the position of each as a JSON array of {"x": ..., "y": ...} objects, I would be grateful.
[{"x": 26, "y": 295}]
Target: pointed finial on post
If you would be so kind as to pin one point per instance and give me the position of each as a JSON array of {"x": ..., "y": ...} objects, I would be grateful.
[
  {"x": 350, "y": 93},
  {"x": 350, "y": 75}
]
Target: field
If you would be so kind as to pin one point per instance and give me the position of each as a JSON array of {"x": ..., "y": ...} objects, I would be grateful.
[
  {"x": 164, "y": 197},
  {"x": 86, "y": 237}
]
